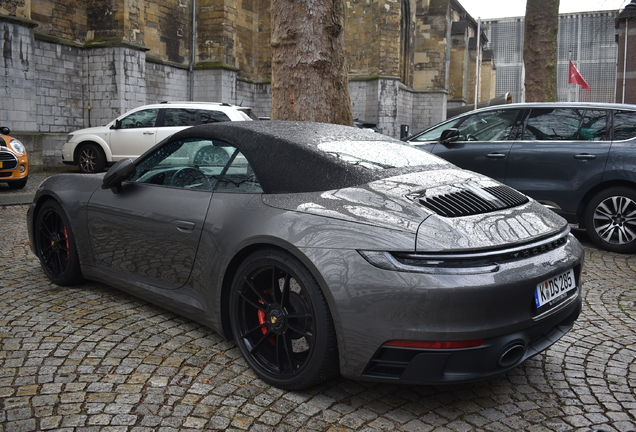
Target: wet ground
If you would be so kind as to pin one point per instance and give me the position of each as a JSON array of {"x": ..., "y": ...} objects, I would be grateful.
[{"x": 91, "y": 358}]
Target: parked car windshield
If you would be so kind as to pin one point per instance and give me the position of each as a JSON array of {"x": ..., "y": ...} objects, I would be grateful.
[
  {"x": 494, "y": 125},
  {"x": 434, "y": 133}
]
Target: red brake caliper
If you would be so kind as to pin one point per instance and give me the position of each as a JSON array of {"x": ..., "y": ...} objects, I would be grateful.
[
  {"x": 262, "y": 319},
  {"x": 68, "y": 249}
]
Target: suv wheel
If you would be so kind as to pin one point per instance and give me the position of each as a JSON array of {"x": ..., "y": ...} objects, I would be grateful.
[
  {"x": 91, "y": 158},
  {"x": 610, "y": 219}
]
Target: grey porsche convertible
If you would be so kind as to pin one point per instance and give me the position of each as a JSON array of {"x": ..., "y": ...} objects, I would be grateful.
[{"x": 321, "y": 249}]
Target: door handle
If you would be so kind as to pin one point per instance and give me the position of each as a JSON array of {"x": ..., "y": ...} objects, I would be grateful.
[
  {"x": 496, "y": 155},
  {"x": 149, "y": 133},
  {"x": 584, "y": 156},
  {"x": 183, "y": 226}
]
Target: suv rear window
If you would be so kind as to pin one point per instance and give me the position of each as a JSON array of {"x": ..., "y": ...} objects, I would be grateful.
[
  {"x": 191, "y": 117},
  {"x": 624, "y": 125},
  {"x": 564, "y": 124}
]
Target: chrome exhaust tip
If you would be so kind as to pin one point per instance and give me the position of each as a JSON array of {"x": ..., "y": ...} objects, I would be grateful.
[{"x": 511, "y": 355}]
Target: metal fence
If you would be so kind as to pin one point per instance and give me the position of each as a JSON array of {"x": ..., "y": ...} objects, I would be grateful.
[{"x": 588, "y": 37}]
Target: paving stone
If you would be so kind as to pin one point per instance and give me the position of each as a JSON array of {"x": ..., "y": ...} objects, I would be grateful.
[{"x": 92, "y": 358}]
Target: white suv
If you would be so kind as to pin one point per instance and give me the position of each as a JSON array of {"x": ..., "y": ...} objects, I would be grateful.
[{"x": 131, "y": 134}]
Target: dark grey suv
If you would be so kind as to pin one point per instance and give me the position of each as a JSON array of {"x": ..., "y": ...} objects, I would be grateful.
[{"x": 578, "y": 159}]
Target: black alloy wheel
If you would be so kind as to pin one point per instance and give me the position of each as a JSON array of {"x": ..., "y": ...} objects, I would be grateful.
[
  {"x": 55, "y": 245},
  {"x": 91, "y": 159},
  {"x": 281, "y": 321},
  {"x": 610, "y": 220}
]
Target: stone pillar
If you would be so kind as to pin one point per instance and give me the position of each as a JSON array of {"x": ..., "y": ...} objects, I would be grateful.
[
  {"x": 18, "y": 101},
  {"x": 116, "y": 81},
  {"x": 215, "y": 85},
  {"x": 459, "y": 62},
  {"x": 626, "y": 73}
]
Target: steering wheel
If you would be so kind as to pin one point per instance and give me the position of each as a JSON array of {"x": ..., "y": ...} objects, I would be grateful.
[
  {"x": 470, "y": 137},
  {"x": 211, "y": 156},
  {"x": 187, "y": 177}
]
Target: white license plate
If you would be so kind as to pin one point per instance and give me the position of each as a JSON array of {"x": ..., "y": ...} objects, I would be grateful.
[{"x": 554, "y": 288}]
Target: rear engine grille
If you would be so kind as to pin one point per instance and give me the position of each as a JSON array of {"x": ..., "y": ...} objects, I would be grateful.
[
  {"x": 472, "y": 201},
  {"x": 8, "y": 160}
]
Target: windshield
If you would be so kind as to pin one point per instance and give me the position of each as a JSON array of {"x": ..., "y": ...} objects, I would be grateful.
[
  {"x": 435, "y": 132},
  {"x": 379, "y": 154}
]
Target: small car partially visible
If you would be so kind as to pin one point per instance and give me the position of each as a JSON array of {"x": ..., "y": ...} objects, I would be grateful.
[{"x": 14, "y": 161}]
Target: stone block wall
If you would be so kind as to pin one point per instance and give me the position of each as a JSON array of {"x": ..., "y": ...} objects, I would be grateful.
[
  {"x": 429, "y": 108},
  {"x": 115, "y": 81},
  {"x": 166, "y": 83},
  {"x": 18, "y": 103},
  {"x": 390, "y": 104},
  {"x": 60, "y": 87},
  {"x": 215, "y": 85},
  {"x": 256, "y": 96}
]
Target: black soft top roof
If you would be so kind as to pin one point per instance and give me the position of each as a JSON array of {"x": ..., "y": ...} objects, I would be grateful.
[{"x": 285, "y": 155}]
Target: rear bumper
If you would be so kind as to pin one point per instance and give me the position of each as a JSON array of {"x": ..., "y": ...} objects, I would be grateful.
[{"x": 495, "y": 356}]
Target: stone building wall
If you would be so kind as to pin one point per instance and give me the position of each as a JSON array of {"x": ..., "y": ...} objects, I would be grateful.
[
  {"x": 165, "y": 82},
  {"x": 255, "y": 95},
  {"x": 77, "y": 63},
  {"x": 17, "y": 77},
  {"x": 60, "y": 88},
  {"x": 362, "y": 24}
]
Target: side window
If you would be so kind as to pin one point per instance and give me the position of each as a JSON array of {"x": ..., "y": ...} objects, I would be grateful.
[
  {"x": 239, "y": 178},
  {"x": 140, "y": 119},
  {"x": 547, "y": 124},
  {"x": 593, "y": 126},
  {"x": 179, "y": 117},
  {"x": 624, "y": 125},
  {"x": 488, "y": 126},
  {"x": 211, "y": 116},
  {"x": 199, "y": 164}
]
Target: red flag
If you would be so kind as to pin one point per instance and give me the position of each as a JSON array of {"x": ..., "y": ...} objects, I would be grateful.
[{"x": 577, "y": 78}]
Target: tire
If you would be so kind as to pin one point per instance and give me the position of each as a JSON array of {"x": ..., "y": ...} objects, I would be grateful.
[
  {"x": 610, "y": 220},
  {"x": 91, "y": 159},
  {"x": 19, "y": 184},
  {"x": 55, "y": 245},
  {"x": 286, "y": 335}
]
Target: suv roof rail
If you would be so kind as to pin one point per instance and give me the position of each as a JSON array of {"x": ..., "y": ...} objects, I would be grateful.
[{"x": 196, "y": 102}]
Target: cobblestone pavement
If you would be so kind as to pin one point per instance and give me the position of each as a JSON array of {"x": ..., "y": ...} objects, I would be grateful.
[
  {"x": 91, "y": 358},
  {"x": 10, "y": 196}
]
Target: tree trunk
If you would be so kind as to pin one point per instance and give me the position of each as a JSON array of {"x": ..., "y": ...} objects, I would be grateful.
[
  {"x": 309, "y": 71},
  {"x": 540, "y": 50}
]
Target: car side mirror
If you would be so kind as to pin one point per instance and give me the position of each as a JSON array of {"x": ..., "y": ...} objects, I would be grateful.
[
  {"x": 117, "y": 125},
  {"x": 5, "y": 130},
  {"x": 117, "y": 174},
  {"x": 449, "y": 135}
]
